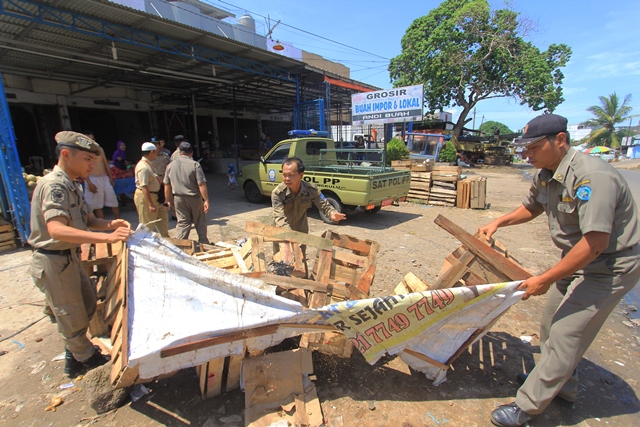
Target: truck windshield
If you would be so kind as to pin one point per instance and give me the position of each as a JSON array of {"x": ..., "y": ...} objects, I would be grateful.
[
  {"x": 424, "y": 144},
  {"x": 279, "y": 154}
]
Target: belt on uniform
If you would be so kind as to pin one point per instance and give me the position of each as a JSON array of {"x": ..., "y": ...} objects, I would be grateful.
[{"x": 56, "y": 252}]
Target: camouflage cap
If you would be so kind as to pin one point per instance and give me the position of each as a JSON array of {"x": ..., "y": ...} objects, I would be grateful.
[{"x": 77, "y": 140}]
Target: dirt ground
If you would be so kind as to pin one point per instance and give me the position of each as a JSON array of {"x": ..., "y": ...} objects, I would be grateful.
[{"x": 351, "y": 392}]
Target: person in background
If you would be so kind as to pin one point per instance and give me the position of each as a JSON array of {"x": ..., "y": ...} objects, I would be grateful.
[
  {"x": 185, "y": 187},
  {"x": 60, "y": 220},
  {"x": 160, "y": 141},
  {"x": 267, "y": 142},
  {"x": 593, "y": 219},
  {"x": 177, "y": 140},
  {"x": 231, "y": 174},
  {"x": 146, "y": 197},
  {"x": 360, "y": 145},
  {"x": 98, "y": 189},
  {"x": 162, "y": 158},
  {"x": 119, "y": 158}
]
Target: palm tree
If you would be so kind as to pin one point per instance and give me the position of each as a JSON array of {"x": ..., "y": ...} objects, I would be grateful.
[{"x": 607, "y": 115}]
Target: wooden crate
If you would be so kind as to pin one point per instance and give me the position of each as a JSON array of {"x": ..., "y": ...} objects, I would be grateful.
[
  {"x": 100, "y": 261},
  {"x": 472, "y": 193},
  {"x": 352, "y": 264},
  {"x": 7, "y": 236},
  {"x": 476, "y": 262},
  {"x": 219, "y": 375}
]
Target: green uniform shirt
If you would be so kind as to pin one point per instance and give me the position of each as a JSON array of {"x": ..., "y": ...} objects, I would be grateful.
[
  {"x": 185, "y": 175},
  {"x": 585, "y": 194},
  {"x": 56, "y": 195},
  {"x": 146, "y": 176},
  {"x": 290, "y": 210}
]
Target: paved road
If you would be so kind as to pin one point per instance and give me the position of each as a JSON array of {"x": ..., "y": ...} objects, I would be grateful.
[{"x": 633, "y": 179}]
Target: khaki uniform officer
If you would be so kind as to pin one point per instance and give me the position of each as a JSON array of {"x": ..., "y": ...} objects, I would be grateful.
[
  {"x": 146, "y": 195},
  {"x": 593, "y": 219},
  {"x": 60, "y": 220},
  {"x": 293, "y": 197},
  {"x": 186, "y": 188}
]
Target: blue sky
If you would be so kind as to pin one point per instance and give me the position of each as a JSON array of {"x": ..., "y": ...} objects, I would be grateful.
[{"x": 605, "y": 58}]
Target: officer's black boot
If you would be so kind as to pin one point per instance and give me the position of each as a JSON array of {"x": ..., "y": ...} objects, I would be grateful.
[
  {"x": 72, "y": 367},
  {"x": 97, "y": 359}
]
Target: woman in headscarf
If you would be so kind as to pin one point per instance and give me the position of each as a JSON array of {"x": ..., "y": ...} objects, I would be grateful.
[{"x": 119, "y": 158}]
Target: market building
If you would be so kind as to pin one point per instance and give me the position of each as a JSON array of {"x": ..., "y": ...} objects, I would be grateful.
[{"x": 132, "y": 69}]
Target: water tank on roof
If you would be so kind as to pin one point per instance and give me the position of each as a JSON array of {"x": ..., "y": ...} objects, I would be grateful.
[{"x": 247, "y": 21}]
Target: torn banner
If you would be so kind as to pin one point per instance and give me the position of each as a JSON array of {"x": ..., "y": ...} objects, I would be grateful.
[{"x": 174, "y": 300}]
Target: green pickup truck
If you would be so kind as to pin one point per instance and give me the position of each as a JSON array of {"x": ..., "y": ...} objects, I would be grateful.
[{"x": 349, "y": 185}]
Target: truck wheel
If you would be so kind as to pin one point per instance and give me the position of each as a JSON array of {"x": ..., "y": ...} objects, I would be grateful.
[
  {"x": 335, "y": 202},
  {"x": 374, "y": 210},
  {"x": 252, "y": 193}
]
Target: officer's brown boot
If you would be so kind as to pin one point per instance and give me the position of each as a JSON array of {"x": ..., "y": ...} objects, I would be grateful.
[{"x": 72, "y": 367}]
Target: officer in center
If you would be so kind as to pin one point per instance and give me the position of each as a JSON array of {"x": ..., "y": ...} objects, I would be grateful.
[
  {"x": 593, "y": 219},
  {"x": 293, "y": 197}
]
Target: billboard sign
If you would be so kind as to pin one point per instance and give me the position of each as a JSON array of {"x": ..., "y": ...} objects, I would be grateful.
[{"x": 402, "y": 104}]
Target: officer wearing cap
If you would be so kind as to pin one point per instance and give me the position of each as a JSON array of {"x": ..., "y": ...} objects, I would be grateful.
[
  {"x": 186, "y": 189},
  {"x": 148, "y": 185},
  {"x": 593, "y": 219},
  {"x": 60, "y": 223}
]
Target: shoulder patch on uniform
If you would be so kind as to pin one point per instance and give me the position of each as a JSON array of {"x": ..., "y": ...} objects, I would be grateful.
[
  {"x": 57, "y": 194},
  {"x": 583, "y": 192},
  {"x": 583, "y": 182},
  {"x": 322, "y": 197}
]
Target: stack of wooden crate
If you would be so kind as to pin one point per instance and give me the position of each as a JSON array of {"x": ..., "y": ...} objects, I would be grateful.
[
  {"x": 444, "y": 181},
  {"x": 7, "y": 236},
  {"x": 420, "y": 187}
]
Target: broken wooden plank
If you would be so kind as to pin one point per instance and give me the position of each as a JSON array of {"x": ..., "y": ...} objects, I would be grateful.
[
  {"x": 455, "y": 272},
  {"x": 288, "y": 235},
  {"x": 287, "y": 282},
  {"x": 237, "y": 336}
]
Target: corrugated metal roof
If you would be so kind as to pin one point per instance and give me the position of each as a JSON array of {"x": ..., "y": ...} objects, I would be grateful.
[{"x": 31, "y": 48}]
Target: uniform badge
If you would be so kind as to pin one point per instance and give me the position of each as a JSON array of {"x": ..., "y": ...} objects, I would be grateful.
[
  {"x": 57, "y": 195},
  {"x": 583, "y": 192},
  {"x": 272, "y": 175},
  {"x": 83, "y": 142},
  {"x": 322, "y": 197}
]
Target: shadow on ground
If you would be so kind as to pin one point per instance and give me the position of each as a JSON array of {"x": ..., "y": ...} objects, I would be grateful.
[{"x": 486, "y": 371}]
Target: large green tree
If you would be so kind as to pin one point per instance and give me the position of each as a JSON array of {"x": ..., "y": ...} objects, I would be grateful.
[
  {"x": 607, "y": 115},
  {"x": 463, "y": 53},
  {"x": 489, "y": 128}
]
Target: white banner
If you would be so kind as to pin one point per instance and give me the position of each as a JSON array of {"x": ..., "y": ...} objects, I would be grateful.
[
  {"x": 402, "y": 104},
  {"x": 175, "y": 300}
]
